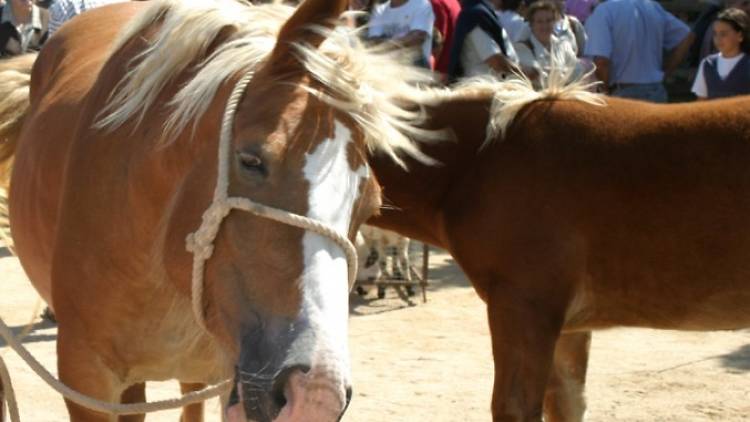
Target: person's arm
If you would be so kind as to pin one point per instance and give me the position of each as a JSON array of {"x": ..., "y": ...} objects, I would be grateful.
[
  {"x": 677, "y": 55},
  {"x": 602, "y": 72},
  {"x": 499, "y": 64},
  {"x": 419, "y": 28},
  {"x": 438, "y": 42},
  {"x": 700, "y": 89},
  {"x": 412, "y": 39},
  {"x": 599, "y": 46},
  {"x": 489, "y": 51},
  {"x": 580, "y": 34},
  {"x": 677, "y": 41},
  {"x": 526, "y": 60},
  {"x": 44, "y": 18}
]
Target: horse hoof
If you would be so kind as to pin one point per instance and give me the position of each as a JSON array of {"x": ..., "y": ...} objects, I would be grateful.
[
  {"x": 410, "y": 290},
  {"x": 361, "y": 291},
  {"x": 381, "y": 292},
  {"x": 48, "y": 315}
]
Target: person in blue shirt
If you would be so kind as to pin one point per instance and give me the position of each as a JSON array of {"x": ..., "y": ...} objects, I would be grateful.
[{"x": 627, "y": 41}]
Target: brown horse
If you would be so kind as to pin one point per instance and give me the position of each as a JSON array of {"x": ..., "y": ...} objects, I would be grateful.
[
  {"x": 115, "y": 161},
  {"x": 581, "y": 215}
]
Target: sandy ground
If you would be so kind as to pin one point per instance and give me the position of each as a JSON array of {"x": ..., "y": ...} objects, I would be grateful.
[{"x": 432, "y": 362}]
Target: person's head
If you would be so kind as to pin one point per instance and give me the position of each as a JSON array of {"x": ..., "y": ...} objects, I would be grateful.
[
  {"x": 743, "y": 5},
  {"x": 357, "y": 4},
  {"x": 20, "y": 5},
  {"x": 560, "y": 6},
  {"x": 731, "y": 32},
  {"x": 541, "y": 16}
]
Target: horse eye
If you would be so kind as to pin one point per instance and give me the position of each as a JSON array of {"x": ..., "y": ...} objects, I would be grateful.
[{"x": 250, "y": 161}]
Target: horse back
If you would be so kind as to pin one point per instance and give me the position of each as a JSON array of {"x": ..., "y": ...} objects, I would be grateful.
[{"x": 628, "y": 214}]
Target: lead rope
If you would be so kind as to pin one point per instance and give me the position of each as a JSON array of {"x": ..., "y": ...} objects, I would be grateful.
[{"x": 200, "y": 243}]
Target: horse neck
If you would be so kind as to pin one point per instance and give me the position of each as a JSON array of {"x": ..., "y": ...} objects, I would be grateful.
[{"x": 413, "y": 198}]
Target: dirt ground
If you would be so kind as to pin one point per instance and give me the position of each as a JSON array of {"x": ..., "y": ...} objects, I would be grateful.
[{"x": 432, "y": 362}]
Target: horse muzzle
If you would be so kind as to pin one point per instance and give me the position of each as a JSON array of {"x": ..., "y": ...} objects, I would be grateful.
[{"x": 289, "y": 378}]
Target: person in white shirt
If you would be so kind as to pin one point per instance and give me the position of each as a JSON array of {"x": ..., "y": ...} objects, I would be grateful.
[
  {"x": 727, "y": 72},
  {"x": 481, "y": 46},
  {"x": 62, "y": 11},
  {"x": 408, "y": 23},
  {"x": 23, "y": 26},
  {"x": 568, "y": 26},
  {"x": 512, "y": 21},
  {"x": 535, "y": 52},
  {"x": 480, "y": 53}
]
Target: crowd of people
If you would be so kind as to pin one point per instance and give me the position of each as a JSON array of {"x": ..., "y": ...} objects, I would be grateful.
[
  {"x": 26, "y": 24},
  {"x": 630, "y": 46},
  {"x": 633, "y": 45}
]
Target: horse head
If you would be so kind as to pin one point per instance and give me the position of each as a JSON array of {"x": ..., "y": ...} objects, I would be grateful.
[
  {"x": 277, "y": 295},
  {"x": 285, "y": 295}
]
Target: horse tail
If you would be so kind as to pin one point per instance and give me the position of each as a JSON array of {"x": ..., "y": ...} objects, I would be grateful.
[{"x": 15, "y": 80}]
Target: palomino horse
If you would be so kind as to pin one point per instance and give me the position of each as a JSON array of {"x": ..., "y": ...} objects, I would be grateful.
[
  {"x": 115, "y": 162},
  {"x": 581, "y": 214}
]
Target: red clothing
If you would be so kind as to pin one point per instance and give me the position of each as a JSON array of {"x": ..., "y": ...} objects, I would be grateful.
[{"x": 446, "y": 14}]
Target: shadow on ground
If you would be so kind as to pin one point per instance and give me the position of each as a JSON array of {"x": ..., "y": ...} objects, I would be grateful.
[
  {"x": 32, "y": 336},
  {"x": 5, "y": 253},
  {"x": 737, "y": 361}
]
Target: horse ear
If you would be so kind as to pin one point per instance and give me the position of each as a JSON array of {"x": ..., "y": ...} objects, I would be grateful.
[{"x": 299, "y": 29}]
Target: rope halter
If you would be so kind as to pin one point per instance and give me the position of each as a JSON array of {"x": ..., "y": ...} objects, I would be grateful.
[{"x": 201, "y": 242}]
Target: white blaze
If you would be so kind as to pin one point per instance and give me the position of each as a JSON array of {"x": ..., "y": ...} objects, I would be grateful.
[{"x": 334, "y": 187}]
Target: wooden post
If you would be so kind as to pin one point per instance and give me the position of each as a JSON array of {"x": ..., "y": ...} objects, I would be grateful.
[{"x": 425, "y": 270}]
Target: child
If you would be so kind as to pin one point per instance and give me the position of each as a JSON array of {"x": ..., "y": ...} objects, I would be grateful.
[{"x": 726, "y": 73}]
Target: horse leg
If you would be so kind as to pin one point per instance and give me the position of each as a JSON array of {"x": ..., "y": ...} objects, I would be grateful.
[
  {"x": 2, "y": 402},
  {"x": 524, "y": 331},
  {"x": 192, "y": 412},
  {"x": 383, "y": 258},
  {"x": 564, "y": 400},
  {"x": 136, "y": 393},
  {"x": 81, "y": 369},
  {"x": 403, "y": 252}
]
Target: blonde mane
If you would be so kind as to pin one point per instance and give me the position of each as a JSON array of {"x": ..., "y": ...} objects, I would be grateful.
[
  {"x": 371, "y": 85},
  {"x": 511, "y": 95}
]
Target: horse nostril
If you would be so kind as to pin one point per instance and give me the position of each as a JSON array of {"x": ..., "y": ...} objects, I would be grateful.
[
  {"x": 279, "y": 385},
  {"x": 278, "y": 398}
]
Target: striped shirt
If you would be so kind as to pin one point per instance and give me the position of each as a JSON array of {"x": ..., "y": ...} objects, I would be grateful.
[{"x": 62, "y": 11}]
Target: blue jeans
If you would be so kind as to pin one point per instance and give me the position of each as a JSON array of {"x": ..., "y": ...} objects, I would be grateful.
[{"x": 648, "y": 92}]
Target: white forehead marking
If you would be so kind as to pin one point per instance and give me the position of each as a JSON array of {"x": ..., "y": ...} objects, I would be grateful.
[{"x": 334, "y": 188}]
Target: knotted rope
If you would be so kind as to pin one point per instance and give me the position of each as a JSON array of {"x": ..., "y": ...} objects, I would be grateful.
[{"x": 201, "y": 244}]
